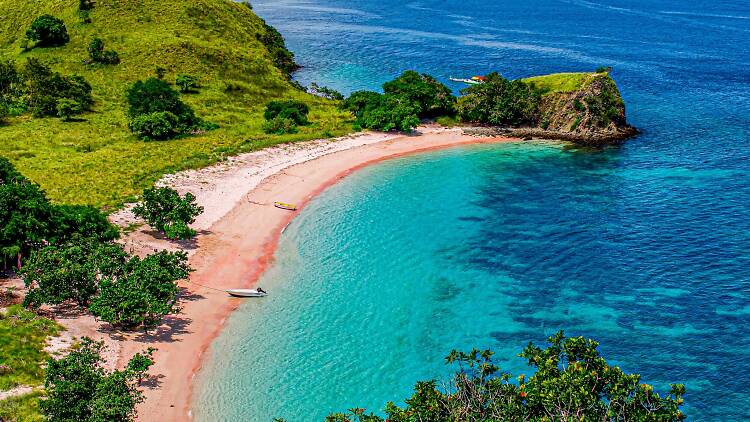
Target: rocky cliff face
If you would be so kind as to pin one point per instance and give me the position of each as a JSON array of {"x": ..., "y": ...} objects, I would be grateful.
[{"x": 594, "y": 113}]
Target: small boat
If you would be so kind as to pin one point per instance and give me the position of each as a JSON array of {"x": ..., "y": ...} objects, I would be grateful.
[
  {"x": 247, "y": 293},
  {"x": 474, "y": 80},
  {"x": 283, "y": 206}
]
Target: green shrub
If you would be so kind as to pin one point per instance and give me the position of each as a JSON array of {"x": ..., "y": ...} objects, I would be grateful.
[
  {"x": 48, "y": 31},
  {"x": 603, "y": 69},
  {"x": 283, "y": 59},
  {"x": 295, "y": 110},
  {"x": 279, "y": 126},
  {"x": 500, "y": 102},
  {"x": 447, "y": 121},
  {"x": 159, "y": 125},
  {"x": 67, "y": 108},
  {"x": 85, "y": 5},
  {"x": 155, "y": 95},
  {"x": 144, "y": 294},
  {"x": 325, "y": 92},
  {"x": 430, "y": 96},
  {"x": 44, "y": 88},
  {"x": 187, "y": 83},
  {"x": 99, "y": 55},
  {"x": 80, "y": 389},
  {"x": 165, "y": 210},
  {"x": 383, "y": 112},
  {"x": 578, "y": 105}
]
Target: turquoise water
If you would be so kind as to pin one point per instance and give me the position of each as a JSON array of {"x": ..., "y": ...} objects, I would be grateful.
[{"x": 645, "y": 246}]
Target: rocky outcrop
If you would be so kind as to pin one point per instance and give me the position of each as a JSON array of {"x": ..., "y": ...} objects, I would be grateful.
[{"x": 593, "y": 114}]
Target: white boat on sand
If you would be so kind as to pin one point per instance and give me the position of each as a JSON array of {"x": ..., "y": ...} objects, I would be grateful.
[{"x": 247, "y": 292}]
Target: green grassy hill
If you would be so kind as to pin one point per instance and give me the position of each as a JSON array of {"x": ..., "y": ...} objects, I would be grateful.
[{"x": 97, "y": 160}]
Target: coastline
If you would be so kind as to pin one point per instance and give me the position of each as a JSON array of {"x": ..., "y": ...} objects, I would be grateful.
[{"x": 238, "y": 236}]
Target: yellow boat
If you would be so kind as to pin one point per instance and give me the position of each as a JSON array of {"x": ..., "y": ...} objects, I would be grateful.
[{"x": 283, "y": 206}]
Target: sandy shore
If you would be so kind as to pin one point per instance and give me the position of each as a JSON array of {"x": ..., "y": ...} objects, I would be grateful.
[{"x": 239, "y": 231}]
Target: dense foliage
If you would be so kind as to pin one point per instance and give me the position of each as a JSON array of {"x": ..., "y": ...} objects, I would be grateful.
[
  {"x": 98, "y": 54},
  {"x": 500, "y": 102},
  {"x": 80, "y": 389},
  {"x": 283, "y": 59},
  {"x": 432, "y": 98},
  {"x": 144, "y": 293},
  {"x": 382, "y": 112},
  {"x": 48, "y": 31},
  {"x": 57, "y": 274},
  {"x": 406, "y": 100},
  {"x": 37, "y": 88},
  {"x": 570, "y": 382},
  {"x": 187, "y": 83},
  {"x": 165, "y": 210},
  {"x": 284, "y": 116},
  {"x": 157, "y": 112},
  {"x": 28, "y": 220},
  {"x": 325, "y": 92}
]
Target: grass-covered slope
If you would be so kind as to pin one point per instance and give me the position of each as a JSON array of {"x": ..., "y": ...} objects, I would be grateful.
[{"x": 96, "y": 160}]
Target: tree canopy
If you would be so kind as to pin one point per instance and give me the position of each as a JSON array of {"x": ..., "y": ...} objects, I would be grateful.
[
  {"x": 48, "y": 31},
  {"x": 165, "y": 210},
  {"x": 500, "y": 102},
  {"x": 78, "y": 388},
  {"x": 406, "y": 100},
  {"x": 144, "y": 293},
  {"x": 570, "y": 381}
]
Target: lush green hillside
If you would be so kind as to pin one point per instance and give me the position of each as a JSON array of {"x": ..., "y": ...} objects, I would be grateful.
[
  {"x": 561, "y": 82},
  {"x": 96, "y": 160}
]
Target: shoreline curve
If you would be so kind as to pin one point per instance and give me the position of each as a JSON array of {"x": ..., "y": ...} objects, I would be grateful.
[{"x": 237, "y": 249}]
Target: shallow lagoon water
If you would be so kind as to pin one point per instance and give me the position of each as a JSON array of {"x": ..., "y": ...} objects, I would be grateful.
[{"x": 645, "y": 246}]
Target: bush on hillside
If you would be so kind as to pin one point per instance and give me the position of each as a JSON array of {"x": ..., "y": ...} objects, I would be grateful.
[
  {"x": 44, "y": 88},
  {"x": 97, "y": 54},
  {"x": 283, "y": 59},
  {"x": 569, "y": 381},
  {"x": 280, "y": 126},
  {"x": 156, "y": 126},
  {"x": 295, "y": 110},
  {"x": 431, "y": 97},
  {"x": 500, "y": 102},
  {"x": 48, "y": 31},
  {"x": 325, "y": 92},
  {"x": 165, "y": 210},
  {"x": 67, "y": 108},
  {"x": 78, "y": 388},
  {"x": 187, "y": 83}
]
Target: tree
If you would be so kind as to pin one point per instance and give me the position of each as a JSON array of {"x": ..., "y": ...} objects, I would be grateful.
[
  {"x": 144, "y": 294},
  {"x": 141, "y": 362},
  {"x": 79, "y": 388},
  {"x": 56, "y": 274},
  {"x": 156, "y": 96},
  {"x": 99, "y": 55},
  {"x": 48, "y": 31},
  {"x": 383, "y": 112},
  {"x": 160, "y": 125},
  {"x": 500, "y": 102},
  {"x": 571, "y": 381},
  {"x": 44, "y": 88},
  {"x": 80, "y": 221},
  {"x": 279, "y": 126},
  {"x": 67, "y": 108},
  {"x": 187, "y": 83},
  {"x": 165, "y": 210},
  {"x": 295, "y": 110},
  {"x": 432, "y": 98}
]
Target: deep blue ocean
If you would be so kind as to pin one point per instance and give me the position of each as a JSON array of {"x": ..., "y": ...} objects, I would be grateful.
[{"x": 644, "y": 247}]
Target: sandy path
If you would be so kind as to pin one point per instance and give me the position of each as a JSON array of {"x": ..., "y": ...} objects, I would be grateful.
[{"x": 240, "y": 229}]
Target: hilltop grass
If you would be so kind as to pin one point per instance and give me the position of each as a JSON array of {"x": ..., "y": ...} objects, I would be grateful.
[
  {"x": 23, "y": 336},
  {"x": 561, "y": 82},
  {"x": 22, "y": 409},
  {"x": 95, "y": 160}
]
